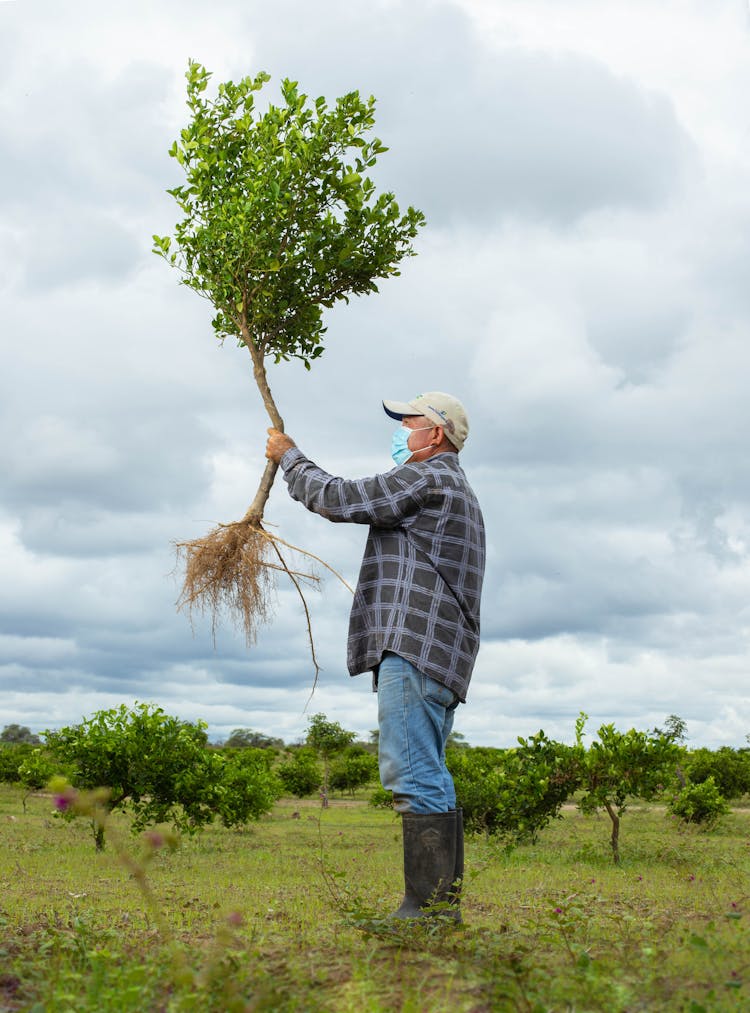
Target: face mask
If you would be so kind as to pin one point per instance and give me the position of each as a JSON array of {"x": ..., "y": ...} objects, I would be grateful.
[{"x": 400, "y": 444}]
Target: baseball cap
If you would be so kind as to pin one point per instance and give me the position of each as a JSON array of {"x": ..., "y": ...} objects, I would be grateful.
[{"x": 442, "y": 409}]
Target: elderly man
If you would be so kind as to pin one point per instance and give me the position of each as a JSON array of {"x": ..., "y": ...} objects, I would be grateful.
[{"x": 414, "y": 621}]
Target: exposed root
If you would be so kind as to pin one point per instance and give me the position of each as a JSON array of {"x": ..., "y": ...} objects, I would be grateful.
[
  {"x": 228, "y": 573},
  {"x": 310, "y": 555},
  {"x": 293, "y": 577},
  {"x": 231, "y": 572}
]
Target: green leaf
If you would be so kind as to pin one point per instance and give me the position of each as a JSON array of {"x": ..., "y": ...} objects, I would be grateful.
[{"x": 269, "y": 186}]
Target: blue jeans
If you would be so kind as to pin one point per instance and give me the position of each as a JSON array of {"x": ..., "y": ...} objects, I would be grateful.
[{"x": 415, "y": 716}]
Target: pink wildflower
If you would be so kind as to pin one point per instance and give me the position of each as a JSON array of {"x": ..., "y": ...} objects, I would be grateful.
[{"x": 65, "y": 799}]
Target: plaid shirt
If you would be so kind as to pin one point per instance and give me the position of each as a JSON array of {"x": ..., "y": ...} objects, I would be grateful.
[{"x": 421, "y": 577}]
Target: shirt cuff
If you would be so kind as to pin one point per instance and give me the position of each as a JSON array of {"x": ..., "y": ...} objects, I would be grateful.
[{"x": 290, "y": 457}]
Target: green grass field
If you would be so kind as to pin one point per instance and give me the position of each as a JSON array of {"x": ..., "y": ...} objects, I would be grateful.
[{"x": 285, "y": 916}]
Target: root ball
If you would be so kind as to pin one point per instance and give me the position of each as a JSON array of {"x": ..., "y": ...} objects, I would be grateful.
[{"x": 228, "y": 572}]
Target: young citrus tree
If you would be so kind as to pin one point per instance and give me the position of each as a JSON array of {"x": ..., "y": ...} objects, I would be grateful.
[
  {"x": 35, "y": 771},
  {"x": 280, "y": 221},
  {"x": 159, "y": 769},
  {"x": 354, "y": 768},
  {"x": 513, "y": 793},
  {"x": 622, "y": 765},
  {"x": 700, "y": 804},
  {"x": 328, "y": 739},
  {"x": 300, "y": 773},
  {"x": 12, "y": 755},
  {"x": 729, "y": 768}
]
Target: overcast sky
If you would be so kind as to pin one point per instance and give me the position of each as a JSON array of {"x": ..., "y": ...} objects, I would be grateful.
[{"x": 581, "y": 285}]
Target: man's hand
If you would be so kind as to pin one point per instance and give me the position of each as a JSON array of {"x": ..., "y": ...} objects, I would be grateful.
[{"x": 278, "y": 444}]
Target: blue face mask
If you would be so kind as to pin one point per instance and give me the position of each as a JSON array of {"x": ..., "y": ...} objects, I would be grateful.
[{"x": 400, "y": 444}]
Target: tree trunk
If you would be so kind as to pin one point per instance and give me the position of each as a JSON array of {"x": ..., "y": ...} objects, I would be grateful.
[
  {"x": 615, "y": 840},
  {"x": 254, "y": 512},
  {"x": 324, "y": 792}
]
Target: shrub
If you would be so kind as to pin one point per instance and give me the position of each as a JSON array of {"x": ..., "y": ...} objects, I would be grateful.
[
  {"x": 11, "y": 758},
  {"x": 300, "y": 775},
  {"x": 729, "y": 768},
  {"x": 160, "y": 769},
  {"x": 354, "y": 769},
  {"x": 699, "y": 803},
  {"x": 622, "y": 765},
  {"x": 510, "y": 793},
  {"x": 381, "y": 799},
  {"x": 35, "y": 771},
  {"x": 248, "y": 786},
  {"x": 513, "y": 793}
]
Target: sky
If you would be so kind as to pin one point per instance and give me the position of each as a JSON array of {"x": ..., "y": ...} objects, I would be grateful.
[{"x": 581, "y": 285}]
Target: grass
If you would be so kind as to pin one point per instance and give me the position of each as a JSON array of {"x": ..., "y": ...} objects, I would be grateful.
[{"x": 550, "y": 927}]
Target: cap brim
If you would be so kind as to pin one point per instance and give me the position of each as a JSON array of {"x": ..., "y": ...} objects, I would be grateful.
[{"x": 397, "y": 409}]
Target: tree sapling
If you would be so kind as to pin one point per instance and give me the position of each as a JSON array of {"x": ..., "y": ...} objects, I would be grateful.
[{"x": 281, "y": 221}]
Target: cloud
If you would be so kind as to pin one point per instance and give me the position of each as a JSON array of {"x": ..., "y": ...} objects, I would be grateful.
[
  {"x": 67, "y": 460},
  {"x": 557, "y": 678},
  {"x": 79, "y": 150},
  {"x": 89, "y": 246},
  {"x": 580, "y": 286},
  {"x": 548, "y": 137},
  {"x": 480, "y": 134}
]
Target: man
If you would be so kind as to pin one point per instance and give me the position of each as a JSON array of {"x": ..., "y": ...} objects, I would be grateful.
[{"x": 414, "y": 621}]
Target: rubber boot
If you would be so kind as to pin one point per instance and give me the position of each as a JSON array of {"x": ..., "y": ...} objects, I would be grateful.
[
  {"x": 458, "y": 872},
  {"x": 430, "y": 846}
]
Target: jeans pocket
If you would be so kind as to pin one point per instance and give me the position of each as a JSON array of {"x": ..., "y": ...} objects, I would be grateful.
[{"x": 435, "y": 692}]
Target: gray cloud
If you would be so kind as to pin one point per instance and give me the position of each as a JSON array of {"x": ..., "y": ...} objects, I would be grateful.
[
  {"x": 56, "y": 461},
  {"x": 478, "y": 135},
  {"x": 580, "y": 287},
  {"x": 547, "y": 138},
  {"x": 76, "y": 132},
  {"x": 80, "y": 150},
  {"x": 88, "y": 246}
]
